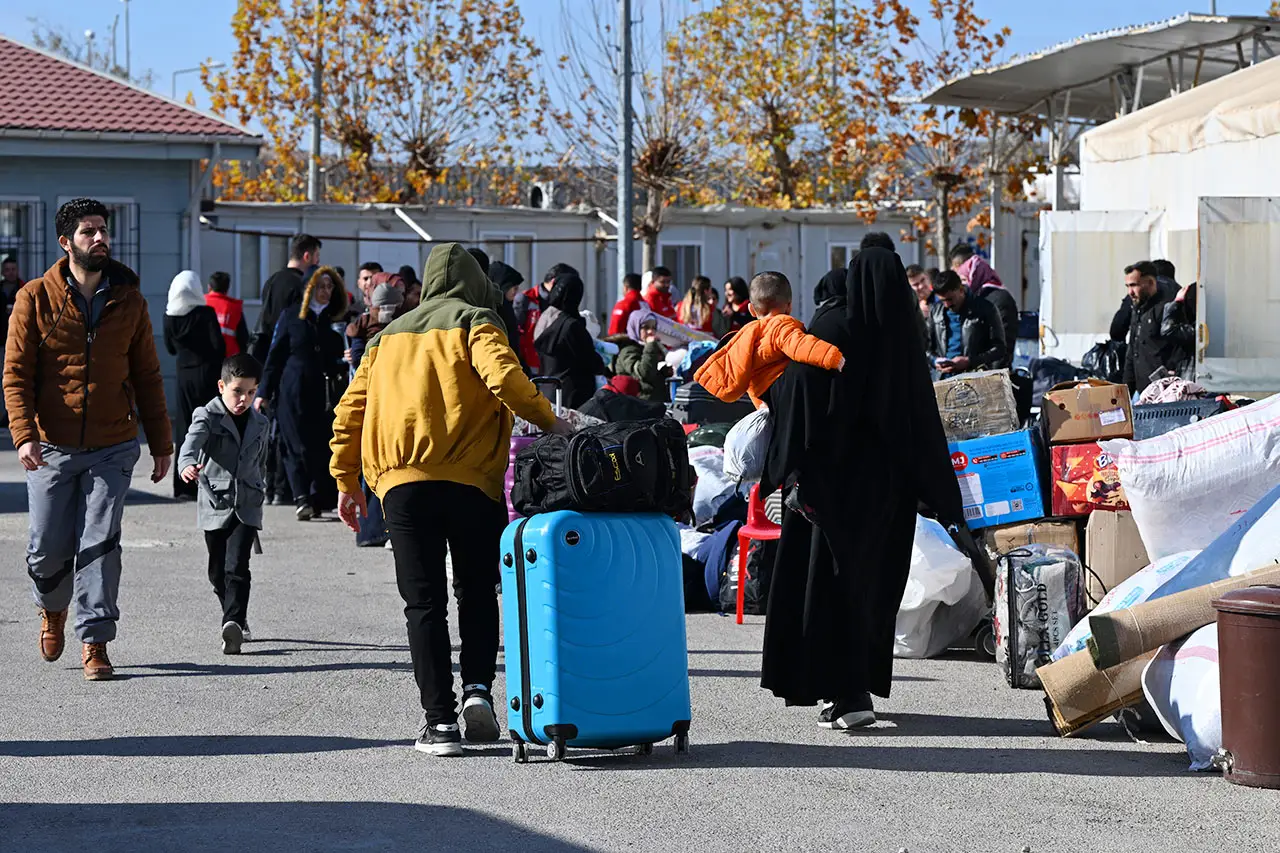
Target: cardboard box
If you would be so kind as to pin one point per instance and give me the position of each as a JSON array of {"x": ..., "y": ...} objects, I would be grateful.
[
  {"x": 977, "y": 404},
  {"x": 1085, "y": 478},
  {"x": 1064, "y": 534},
  {"x": 999, "y": 479},
  {"x": 1088, "y": 410},
  {"x": 1113, "y": 551}
]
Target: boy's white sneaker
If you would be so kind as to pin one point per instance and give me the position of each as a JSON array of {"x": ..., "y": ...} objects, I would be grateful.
[{"x": 232, "y": 638}]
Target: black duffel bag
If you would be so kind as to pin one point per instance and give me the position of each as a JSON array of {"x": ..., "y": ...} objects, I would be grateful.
[{"x": 635, "y": 466}]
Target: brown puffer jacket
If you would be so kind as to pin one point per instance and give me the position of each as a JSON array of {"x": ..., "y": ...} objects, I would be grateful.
[{"x": 64, "y": 388}]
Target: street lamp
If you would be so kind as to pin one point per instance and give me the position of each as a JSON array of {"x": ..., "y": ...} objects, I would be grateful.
[{"x": 210, "y": 66}]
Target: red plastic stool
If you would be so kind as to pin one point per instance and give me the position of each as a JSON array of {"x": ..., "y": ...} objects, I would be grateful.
[{"x": 758, "y": 528}]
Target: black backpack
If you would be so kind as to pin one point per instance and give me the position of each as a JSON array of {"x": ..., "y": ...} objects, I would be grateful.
[{"x": 636, "y": 466}]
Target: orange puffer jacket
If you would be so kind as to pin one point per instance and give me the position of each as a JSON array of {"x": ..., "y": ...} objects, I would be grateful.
[
  {"x": 758, "y": 354},
  {"x": 67, "y": 387}
]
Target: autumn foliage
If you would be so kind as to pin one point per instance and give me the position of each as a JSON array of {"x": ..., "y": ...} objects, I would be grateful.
[{"x": 412, "y": 89}]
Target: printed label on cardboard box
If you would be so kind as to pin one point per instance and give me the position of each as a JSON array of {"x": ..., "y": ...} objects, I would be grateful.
[
  {"x": 1115, "y": 416},
  {"x": 999, "y": 482}
]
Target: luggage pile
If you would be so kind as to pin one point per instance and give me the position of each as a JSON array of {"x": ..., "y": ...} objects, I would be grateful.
[{"x": 592, "y": 589}]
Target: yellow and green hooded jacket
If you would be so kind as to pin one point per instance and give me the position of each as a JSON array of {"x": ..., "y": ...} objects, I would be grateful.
[{"x": 434, "y": 394}]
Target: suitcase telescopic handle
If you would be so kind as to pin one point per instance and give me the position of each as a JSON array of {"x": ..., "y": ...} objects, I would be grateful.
[{"x": 559, "y": 386}]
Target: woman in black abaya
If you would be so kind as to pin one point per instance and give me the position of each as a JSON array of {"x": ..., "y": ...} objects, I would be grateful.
[{"x": 864, "y": 446}]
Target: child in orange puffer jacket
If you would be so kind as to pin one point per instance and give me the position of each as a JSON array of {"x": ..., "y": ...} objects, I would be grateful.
[{"x": 761, "y": 350}]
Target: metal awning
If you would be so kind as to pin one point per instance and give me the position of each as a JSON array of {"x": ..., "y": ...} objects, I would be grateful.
[{"x": 1112, "y": 73}]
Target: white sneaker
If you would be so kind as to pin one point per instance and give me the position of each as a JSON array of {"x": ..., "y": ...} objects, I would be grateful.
[
  {"x": 477, "y": 713},
  {"x": 442, "y": 740},
  {"x": 246, "y": 633},
  {"x": 232, "y": 638}
]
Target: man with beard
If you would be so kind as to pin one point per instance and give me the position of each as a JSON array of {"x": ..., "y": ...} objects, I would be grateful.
[{"x": 82, "y": 335}]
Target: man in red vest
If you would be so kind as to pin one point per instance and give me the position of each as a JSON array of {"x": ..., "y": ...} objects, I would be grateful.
[
  {"x": 659, "y": 293},
  {"x": 230, "y": 313},
  {"x": 626, "y": 306}
]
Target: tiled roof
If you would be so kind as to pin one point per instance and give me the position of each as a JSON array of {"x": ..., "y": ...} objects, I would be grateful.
[{"x": 42, "y": 92}]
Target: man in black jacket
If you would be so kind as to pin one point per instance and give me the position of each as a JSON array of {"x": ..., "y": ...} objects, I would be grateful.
[
  {"x": 965, "y": 332},
  {"x": 1149, "y": 351},
  {"x": 283, "y": 289}
]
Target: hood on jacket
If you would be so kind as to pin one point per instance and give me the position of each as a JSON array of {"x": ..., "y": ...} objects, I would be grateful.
[
  {"x": 452, "y": 273},
  {"x": 504, "y": 276},
  {"x": 57, "y": 277},
  {"x": 831, "y": 285},
  {"x": 185, "y": 294},
  {"x": 337, "y": 306}
]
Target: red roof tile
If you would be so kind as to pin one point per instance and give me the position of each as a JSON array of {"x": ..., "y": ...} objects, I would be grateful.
[{"x": 39, "y": 91}]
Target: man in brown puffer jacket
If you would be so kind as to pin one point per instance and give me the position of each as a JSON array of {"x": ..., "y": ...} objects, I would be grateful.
[{"x": 80, "y": 371}]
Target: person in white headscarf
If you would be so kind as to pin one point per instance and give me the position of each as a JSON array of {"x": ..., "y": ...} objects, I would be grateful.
[{"x": 193, "y": 336}]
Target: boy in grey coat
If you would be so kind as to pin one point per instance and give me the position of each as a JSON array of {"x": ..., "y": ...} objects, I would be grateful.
[{"x": 224, "y": 450}]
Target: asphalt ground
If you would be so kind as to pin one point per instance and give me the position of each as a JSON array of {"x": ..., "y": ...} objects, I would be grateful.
[{"x": 303, "y": 742}]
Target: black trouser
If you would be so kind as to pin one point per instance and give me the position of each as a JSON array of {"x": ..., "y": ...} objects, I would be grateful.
[
  {"x": 229, "y": 550},
  {"x": 422, "y": 518}
]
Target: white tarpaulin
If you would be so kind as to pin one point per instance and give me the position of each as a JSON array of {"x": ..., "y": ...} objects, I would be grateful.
[
  {"x": 1239, "y": 307},
  {"x": 1219, "y": 139},
  {"x": 1082, "y": 259}
]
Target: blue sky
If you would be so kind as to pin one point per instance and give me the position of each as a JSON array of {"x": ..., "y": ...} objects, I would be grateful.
[{"x": 172, "y": 34}]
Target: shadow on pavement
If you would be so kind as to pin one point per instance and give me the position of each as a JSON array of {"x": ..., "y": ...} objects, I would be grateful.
[
  {"x": 186, "y": 746},
  {"x": 267, "y": 826},
  {"x": 855, "y": 753},
  {"x": 13, "y": 498}
]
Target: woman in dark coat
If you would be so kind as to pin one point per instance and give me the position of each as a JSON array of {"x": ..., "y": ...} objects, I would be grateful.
[
  {"x": 304, "y": 363},
  {"x": 192, "y": 333},
  {"x": 565, "y": 348},
  {"x": 863, "y": 445}
]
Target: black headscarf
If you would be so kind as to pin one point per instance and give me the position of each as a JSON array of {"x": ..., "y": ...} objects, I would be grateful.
[
  {"x": 891, "y": 378},
  {"x": 831, "y": 285},
  {"x": 566, "y": 293}
]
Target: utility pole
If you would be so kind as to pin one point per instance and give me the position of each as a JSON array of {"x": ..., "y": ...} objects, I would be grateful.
[
  {"x": 88, "y": 42},
  {"x": 115, "y": 63},
  {"x": 625, "y": 226},
  {"x": 317, "y": 99},
  {"x": 128, "y": 52}
]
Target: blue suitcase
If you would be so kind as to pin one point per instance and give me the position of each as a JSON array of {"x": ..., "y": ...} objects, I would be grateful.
[{"x": 594, "y": 631}]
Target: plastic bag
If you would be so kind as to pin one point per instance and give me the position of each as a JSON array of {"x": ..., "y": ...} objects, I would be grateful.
[
  {"x": 593, "y": 322},
  {"x": 1187, "y": 486},
  {"x": 746, "y": 447},
  {"x": 1182, "y": 684},
  {"x": 1135, "y": 589},
  {"x": 1106, "y": 361},
  {"x": 713, "y": 487},
  {"x": 943, "y": 601}
]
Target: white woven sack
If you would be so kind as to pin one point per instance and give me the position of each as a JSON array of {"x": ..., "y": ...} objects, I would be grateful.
[{"x": 1187, "y": 486}]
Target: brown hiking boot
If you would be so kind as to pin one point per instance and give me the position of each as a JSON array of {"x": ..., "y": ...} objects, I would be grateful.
[
  {"x": 52, "y": 628},
  {"x": 97, "y": 666}
]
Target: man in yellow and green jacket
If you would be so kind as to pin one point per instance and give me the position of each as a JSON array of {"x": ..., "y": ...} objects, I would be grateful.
[{"x": 427, "y": 419}]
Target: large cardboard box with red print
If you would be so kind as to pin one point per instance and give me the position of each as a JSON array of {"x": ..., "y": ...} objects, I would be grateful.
[{"x": 999, "y": 479}]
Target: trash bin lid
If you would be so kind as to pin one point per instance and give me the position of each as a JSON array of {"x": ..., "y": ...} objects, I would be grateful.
[{"x": 1255, "y": 600}]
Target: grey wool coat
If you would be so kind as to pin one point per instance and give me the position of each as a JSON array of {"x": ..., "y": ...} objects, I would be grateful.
[{"x": 231, "y": 481}]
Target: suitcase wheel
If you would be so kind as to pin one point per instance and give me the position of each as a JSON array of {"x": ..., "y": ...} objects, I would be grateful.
[
  {"x": 644, "y": 749},
  {"x": 555, "y": 750},
  {"x": 682, "y": 744},
  {"x": 519, "y": 753}
]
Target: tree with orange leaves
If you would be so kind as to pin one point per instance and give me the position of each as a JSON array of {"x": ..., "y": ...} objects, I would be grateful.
[
  {"x": 954, "y": 155},
  {"x": 411, "y": 89},
  {"x": 796, "y": 95}
]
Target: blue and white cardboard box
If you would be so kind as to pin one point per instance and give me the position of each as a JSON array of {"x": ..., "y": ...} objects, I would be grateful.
[{"x": 999, "y": 479}]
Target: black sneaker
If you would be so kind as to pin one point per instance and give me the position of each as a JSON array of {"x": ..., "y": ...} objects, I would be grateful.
[
  {"x": 232, "y": 638},
  {"x": 477, "y": 714},
  {"x": 440, "y": 739},
  {"x": 847, "y": 714},
  {"x": 305, "y": 512}
]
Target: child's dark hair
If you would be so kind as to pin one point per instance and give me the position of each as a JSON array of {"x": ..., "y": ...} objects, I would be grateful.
[
  {"x": 769, "y": 291},
  {"x": 220, "y": 282},
  {"x": 241, "y": 366}
]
